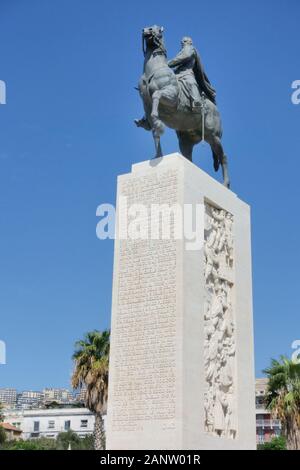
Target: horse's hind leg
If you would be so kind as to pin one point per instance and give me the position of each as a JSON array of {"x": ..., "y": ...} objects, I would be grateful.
[
  {"x": 185, "y": 145},
  {"x": 156, "y": 137},
  {"x": 218, "y": 152},
  {"x": 225, "y": 173}
]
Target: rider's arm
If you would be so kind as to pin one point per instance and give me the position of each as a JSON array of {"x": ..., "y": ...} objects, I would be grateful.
[{"x": 184, "y": 56}]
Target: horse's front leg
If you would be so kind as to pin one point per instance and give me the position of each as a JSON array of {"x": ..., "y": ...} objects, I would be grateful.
[
  {"x": 157, "y": 125},
  {"x": 155, "y": 104},
  {"x": 144, "y": 122},
  {"x": 164, "y": 97}
]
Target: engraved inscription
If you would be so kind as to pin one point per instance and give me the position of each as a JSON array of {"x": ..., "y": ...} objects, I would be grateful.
[{"x": 145, "y": 324}]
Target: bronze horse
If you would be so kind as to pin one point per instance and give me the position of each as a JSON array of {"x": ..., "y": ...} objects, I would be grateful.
[{"x": 165, "y": 103}]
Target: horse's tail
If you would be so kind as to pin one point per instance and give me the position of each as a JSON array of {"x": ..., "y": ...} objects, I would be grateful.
[{"x": 216, "y": 161}]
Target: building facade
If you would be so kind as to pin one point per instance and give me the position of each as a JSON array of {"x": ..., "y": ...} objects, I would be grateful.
[
  {"x": 50, "y": 422},
  {"x": 29, "y": 399},
  {"x": 59, "y": 395},
  {"x": 8, "y": 397},
  {"x": 40, "y": 422},
  {"x": 266, "y": 426},
  {"x": 81, "y": 395}
]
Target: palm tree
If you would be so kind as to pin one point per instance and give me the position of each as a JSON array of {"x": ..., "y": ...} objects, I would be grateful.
[
  {"x": 91, "y": 359},
  {"x": 283, "y": 397}
]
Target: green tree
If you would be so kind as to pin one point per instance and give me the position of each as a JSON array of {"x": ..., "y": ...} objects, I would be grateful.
[
  {"x": 277, "y": 443},
  {"x": 87, "y": 442},
  {"x": 2, "y": 436},
  {"x": 70, "y": 438},
  {"x": 60, "y": 443},
  {"x": 52, "y": 404},
  {"x": 1, "y": 413},
  {"x": 2, "y": 432},
  {"x": 283, "y": 398},
  {"x": 91, "y": 358},
  {"x": 32, "y": 444},
  {"x": 64, "y": 439}
]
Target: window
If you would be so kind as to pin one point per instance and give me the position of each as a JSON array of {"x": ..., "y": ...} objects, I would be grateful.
[
  {"x": 51, "y": 424},
  {"x": 67, "y": 425},
  {"x": 36, "y": 426},
  {"x": 260, "y": 436},
  {"x": 84, "y": 423}
]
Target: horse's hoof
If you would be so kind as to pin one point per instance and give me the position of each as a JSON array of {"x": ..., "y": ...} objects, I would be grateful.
[
  {"x": 142, "y": 123},
  {"x": 139, "y": 122}
]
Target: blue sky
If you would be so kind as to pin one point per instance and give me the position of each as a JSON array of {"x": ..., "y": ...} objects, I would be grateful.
[{"x": 67, "y": 131}]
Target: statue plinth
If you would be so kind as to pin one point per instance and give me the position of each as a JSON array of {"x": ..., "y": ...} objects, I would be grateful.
[{"x": 181, "y": 361}]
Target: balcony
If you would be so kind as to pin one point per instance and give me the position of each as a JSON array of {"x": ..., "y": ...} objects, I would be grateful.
[
  {"x": 268, "y": 423},
  {"x": 260, "y": 406}
]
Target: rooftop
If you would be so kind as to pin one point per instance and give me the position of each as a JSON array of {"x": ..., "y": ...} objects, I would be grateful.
[
  {"x": 10, "y": 427},
  {"x": 261, "y": 386}
]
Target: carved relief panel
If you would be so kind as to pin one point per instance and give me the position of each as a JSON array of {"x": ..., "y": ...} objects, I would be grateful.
[{"x": 219, "y": 324}]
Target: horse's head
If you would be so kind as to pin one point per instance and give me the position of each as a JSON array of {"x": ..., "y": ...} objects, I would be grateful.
[{"x": 152, "y": 36}]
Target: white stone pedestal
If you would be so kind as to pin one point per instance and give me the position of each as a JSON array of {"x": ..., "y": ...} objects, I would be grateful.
[{"x": 181, "y": 362}]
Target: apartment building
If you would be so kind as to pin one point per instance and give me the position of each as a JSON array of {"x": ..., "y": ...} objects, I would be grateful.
[
  {"x": 8, "y": 397},
  {"x": 266, "y": 426},
  {"x": 50, "y": 422}
]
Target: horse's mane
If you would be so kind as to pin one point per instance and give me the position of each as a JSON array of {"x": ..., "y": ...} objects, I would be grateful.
[{"x": 161, "y": 45}]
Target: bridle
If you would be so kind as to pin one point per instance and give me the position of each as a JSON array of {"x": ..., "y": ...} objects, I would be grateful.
[{"x": 157, "y": 40}]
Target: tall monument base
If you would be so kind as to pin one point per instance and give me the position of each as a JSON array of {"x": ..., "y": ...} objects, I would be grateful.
[{"x": 181, "y": 361}]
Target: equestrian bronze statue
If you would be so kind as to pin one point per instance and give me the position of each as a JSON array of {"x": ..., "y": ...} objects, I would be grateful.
[{"x": 179, "y": 95}]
